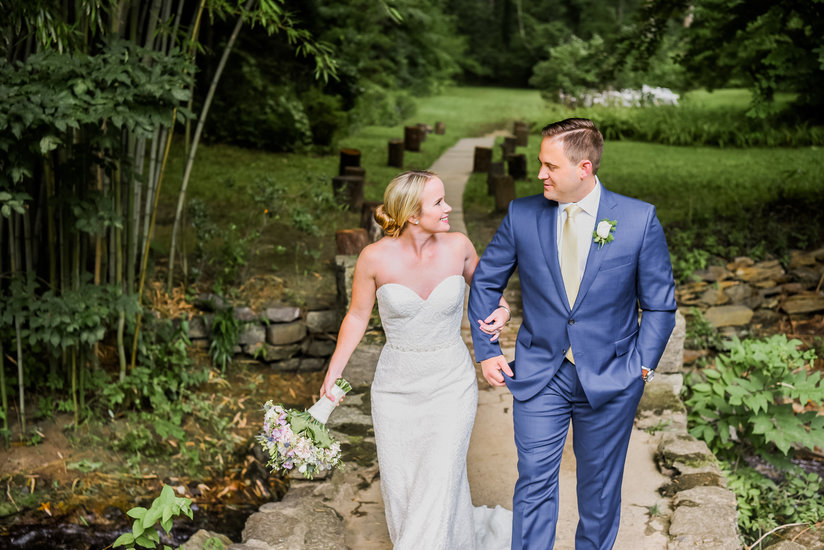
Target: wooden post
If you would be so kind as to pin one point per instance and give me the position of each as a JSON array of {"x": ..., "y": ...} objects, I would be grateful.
[
  {"x": 521, "y": 132},
  {"x": 396, "y": 153},
  {"x": 426, "y": 129},
  {"x": 495, "y": 169},
  {"x": 368, "y": 221},
  {"x": 483, "y": 156},
  {"x": 351, "y": 241},
  {"x": 508, "y": 147},
  {"x": 349, "y": 190},
  {"x": 504, "y": 191},
  {"x": 356, "y": 171},
  {"x": 348, "y": 157},
  {"x": 412, "y": 138},
  {"x": 516, "y": 165},
  {"x": 440, "y": 128}
]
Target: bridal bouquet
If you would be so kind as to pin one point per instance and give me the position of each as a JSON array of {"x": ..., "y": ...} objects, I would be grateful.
[{"x": 299, "y": 439}]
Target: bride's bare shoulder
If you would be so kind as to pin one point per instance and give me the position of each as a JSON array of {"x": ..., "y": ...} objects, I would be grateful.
[{"x": 378, "y": 250}]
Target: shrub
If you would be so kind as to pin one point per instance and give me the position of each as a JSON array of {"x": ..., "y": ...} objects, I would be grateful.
[{"x": 758, "y": 394}]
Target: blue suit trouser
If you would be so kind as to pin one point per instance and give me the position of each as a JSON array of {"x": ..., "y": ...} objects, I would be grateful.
[{"x": 600, "y": 441}]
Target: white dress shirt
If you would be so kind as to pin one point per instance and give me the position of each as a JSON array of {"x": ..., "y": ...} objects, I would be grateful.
[{"x": 584, "y": 222}]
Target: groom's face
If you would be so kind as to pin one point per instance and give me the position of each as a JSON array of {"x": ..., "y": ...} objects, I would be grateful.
[{"x": 563, "y": 181}]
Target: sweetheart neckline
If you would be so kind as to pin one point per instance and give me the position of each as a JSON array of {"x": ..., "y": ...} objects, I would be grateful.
[{"x": 431, "y": 292}]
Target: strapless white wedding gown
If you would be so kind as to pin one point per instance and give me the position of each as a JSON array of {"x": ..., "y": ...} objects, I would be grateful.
[{"x": 424, "y": 398}]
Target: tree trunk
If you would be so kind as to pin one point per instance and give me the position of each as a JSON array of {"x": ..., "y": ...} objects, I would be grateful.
[
  {"x": 395, "y": 153},
  {"x": 483, "y": 156},
  {"x": 198, "y": 131}
]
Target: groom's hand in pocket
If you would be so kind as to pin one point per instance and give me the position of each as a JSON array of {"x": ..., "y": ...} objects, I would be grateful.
[{"x": 492, "y": 368}]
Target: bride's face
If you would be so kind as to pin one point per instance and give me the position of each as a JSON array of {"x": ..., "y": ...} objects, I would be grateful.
[{"x": 434, "y": 216}]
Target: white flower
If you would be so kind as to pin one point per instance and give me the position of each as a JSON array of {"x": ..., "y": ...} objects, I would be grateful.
[{"x": 603, "y": 233}]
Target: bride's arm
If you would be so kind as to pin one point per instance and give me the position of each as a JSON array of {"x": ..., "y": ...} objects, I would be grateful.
[
  {"x": 355, "y": 322},
  {"x": 495, "y": 321}
]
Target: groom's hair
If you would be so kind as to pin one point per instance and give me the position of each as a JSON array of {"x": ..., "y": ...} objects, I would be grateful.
[{"x": 581, "y": 140}]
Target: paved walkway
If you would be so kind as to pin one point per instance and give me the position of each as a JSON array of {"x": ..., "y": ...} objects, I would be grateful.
[{"x": 492, "y": 459}]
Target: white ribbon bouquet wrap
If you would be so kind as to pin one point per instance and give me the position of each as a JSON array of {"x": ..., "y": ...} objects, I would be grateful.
[{"x": 299, "y": 439}]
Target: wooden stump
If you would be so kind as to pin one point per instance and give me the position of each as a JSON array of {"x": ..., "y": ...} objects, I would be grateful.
[
  {"x": 495, "y": 169},
  {"x": 348, "y": 157},
  {"x": 440, "y": 128},
  {"x": 396, "y": 153},
  {"x": 349, "y": 190},
  {"x": 426, "y": 129},
  {"x": 351, "y": 241},
  {"x": 412, "y": 138},
  {"x": 516, "y": 165},
  {"x": 368, "y": 222},
  {"x": 521, "y": 132},
  {"x": 504, "y": 191},
  {"x": 483, "y": 156},
  {"x": 356, "y": 171},
  {"x": 508, "y": 147}
]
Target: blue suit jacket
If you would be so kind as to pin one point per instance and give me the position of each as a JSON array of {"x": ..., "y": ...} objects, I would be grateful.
[{"x": 609, "y": 343}]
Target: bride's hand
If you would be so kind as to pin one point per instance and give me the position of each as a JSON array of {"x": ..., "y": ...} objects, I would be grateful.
[
  {"x": 326, "y": 388},
  {"x": 495, "y": 323}
]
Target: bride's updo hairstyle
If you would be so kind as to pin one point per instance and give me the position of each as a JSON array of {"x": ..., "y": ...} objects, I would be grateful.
[{"x": 401, "y": 199}]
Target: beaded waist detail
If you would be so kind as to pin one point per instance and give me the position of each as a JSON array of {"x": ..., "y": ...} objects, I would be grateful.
[{"x": 425, "y": 347}]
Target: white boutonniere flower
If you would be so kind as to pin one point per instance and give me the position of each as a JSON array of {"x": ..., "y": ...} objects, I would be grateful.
[{"x": 603, "y": 233}]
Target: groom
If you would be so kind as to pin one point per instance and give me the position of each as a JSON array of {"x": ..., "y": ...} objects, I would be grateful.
[{"x": 588, "y": 260}]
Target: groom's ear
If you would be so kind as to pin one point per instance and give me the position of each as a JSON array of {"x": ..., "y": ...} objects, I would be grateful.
[{"x": 585, "y": 168}]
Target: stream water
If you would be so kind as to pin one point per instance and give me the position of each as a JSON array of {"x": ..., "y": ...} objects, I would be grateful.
[{"x": 97, "y": 533}]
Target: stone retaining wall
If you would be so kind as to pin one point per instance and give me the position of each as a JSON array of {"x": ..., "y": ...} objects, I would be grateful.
[{"x": 287, "y": 338}]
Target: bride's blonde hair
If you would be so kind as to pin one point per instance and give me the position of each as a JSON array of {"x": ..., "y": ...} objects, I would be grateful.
[{"x": 401, "y": 200}]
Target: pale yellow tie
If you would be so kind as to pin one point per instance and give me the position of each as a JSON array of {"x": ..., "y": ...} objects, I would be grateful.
[{"x": 569, "y": 260}]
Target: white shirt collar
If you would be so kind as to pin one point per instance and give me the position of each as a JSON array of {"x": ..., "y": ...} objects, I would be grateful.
[{"x": 588, "y": 204}]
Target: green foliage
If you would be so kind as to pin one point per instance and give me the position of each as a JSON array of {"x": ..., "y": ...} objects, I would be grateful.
[
  {"x": 770, "y": 46},
  {"x": 49, "y": 93},
  {"x": 572, "y": 68},
  {"x": 163, "y": 510},
  {"x": 700, "y": 333},
  {"x": 156, "y": 395},
  {"x": 750, "y": 396},
  {"x": 224, "y": 333},
  {"x": 764, "y": 504}
]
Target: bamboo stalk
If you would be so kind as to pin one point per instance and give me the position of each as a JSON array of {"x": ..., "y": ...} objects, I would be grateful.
[
  {"x": 145, "y": 258},
  {"x": 4, "y": 400},
  {"x": 198, "y": 131},
  {"x": 18, "y": 332}
]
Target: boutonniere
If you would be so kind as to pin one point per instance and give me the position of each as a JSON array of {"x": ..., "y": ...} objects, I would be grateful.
[{"x": 603, "y": 233}]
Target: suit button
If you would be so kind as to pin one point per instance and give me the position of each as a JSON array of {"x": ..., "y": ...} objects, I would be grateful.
[{"x": 572, "y": 321}]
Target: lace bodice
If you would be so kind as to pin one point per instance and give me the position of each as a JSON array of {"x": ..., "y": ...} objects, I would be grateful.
[{"x": 412, "y": 323}]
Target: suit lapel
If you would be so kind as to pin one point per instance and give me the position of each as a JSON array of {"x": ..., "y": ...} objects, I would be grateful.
[
  {"x": 596, "y": 254},
  {"x": 548, "y": 237}
]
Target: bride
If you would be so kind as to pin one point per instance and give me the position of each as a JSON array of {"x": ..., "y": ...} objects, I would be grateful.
[{"x": 424, "y": 394}]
